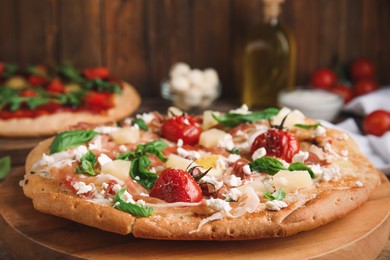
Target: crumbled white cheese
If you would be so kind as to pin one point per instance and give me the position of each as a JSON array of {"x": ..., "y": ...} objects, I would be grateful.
[
  {"x": 147, "y": 117},
  {"x": 259, "y": 153},
  {"x": 218, "y": 205},
  {"x": 233, "y": 194},
  {"x": 152, "y": 170},
  {"x": 180, "y": 142},
  {"x": 300, "y": 157},
  {"x": 247, "y": 169},
  {"x": 233, "y": 158},
  {"x": 285, "y": 164},
  {"x": 127, "y": 121},
  {"x": 226, "y": 142},
  {"x": 344, "y": 153},
  {"x": 144, "y": 194},
  {"x": 79, "y": 151},
  {"x": 319, "y": 131},
  {"x": 116, "y": 188},
  {"x": 233, "y": 181},
  {"x": 212, "y": 180},
  {"x": 330, "y": 173},
  {"x": 187, "y": 154},
  {"x": 127, "y": 197},
  {"x": 106, "y": 129},
  {"x": 221, "y": 163},
  {"x": 96, "y": 143},
  {"x": 316, "y": 168},
  {"x": 123, "y": 148},
  {"x": 103, "y": 159},
  {"x": 81, "y": 187},
  {"x": 359, "y": 184},
  {"x": 242, "y": 110},
  {"x": 137, "y": 178},
  {"x": 141, "y": 202},
  {"x": 275, "y": 205}
]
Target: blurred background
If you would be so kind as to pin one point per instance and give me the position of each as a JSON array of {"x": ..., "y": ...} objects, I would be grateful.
[{"x": 140, "y": 39}]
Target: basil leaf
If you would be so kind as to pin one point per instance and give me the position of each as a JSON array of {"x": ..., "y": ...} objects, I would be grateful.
[
  {"x": 5, "y": 166},
  {"x": 279, "y": 194},
  {"x": 70, "y": 139},
  {"x": 156, "y": 148},
  {"x": 234, "y": 151},
  {"x": 15, "y": 103},
  {"x": 267, "y": 164},
  {"x": 299, "y": 166},
  {"x": 88, "y": 162},
  {"x": 34, "y": 102},
  {"x": 133, "y": 209},
  {"x": 72, "y": 98},
  {"x": 141, "y": 124},
  {"x": 139, "y": 172},
  {"x": 233, "y": 119},
  {"x": 69, "y": 73},
  {"x": 128, "y": 156},
  {"x": 307, "y": 126}
]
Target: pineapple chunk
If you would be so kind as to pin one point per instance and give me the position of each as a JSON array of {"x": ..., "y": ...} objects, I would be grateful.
[
  {"x": 16, "y": 82},
  {"x": 294, "y": 117},
  {"x": 211, "y": 137},
  {"x": 175, "y": 161},
  {"x": 292, "y": 180},
  {"x": 208, "y": 119},
  {"x": 117, "y": 168},
  {"x": 126, "y": 135},
  {"x": 207, "y": 161},
  {"x": 257, "y": 186}
]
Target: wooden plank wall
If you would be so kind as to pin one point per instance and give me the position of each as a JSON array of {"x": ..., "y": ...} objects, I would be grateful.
[{"x": 140, "y": 39}]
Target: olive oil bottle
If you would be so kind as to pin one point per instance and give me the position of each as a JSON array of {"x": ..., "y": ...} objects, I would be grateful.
[{"x": 269, "y": 59}]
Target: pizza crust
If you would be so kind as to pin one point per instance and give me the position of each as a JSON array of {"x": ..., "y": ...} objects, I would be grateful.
[
  {"x": 125, "y": 103},
  {"x": 328, "y": 205}
]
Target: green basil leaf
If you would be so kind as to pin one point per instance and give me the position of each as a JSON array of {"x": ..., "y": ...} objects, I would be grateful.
[
  {"x": 141, "y": 124},
  {"x": 15, "y": 103},
  {"x": 307, "y": 126},
  {"x": 5, "y": 166},
  {"x": 234, "y": 151},
  {"x": 299, "y": 166},
  {"x": 233, "y": 119},
  {"x": 279, "y": 194},
  {"x": 267, "y": 164},
  {"x": 72, "y": 98},
  {"x": 156, "y": 148},
  {"x": 139, "y": 172},
  {"x": 69, "y": 73},
  {"x": 88, "y": 162},
  {"x": 70, "y": 139},
  {"x": 128, "y": 156},
  {"x": 34, "y": 102},
  {"x": 133, "y": 209}
]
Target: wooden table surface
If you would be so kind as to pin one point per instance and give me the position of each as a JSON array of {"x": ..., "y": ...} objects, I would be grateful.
[{"x": 158, "y": 104}]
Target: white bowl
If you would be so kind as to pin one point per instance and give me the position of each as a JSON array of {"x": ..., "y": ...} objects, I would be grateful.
[{"x": 314, "y": 103}]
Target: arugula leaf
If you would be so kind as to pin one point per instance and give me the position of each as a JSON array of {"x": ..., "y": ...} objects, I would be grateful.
[
  {"x": 15, "y": 103},
  {"x": 139, "y": 172},
  {"x": 72, "y": 98},
  {"x": 141, "y": 124},
  {"x": 5, "y": 166},
  {"x": 267, "y": 164},
  {"x": 34, "y": 102},
  {"x": 299, "y": 166},
  {"x": 88, "y": 162},
  {"x": 307, "y": 126},
  {"x": 279, "y": 194},
  {"x": 102, "y": 86},
  {"x": 233, "y": 119},
  {"x": 70, "y": 139},
  {"x": 68, "y": 72},
  {"x": 9, "y": 70},
  {"x": 133, "y": 209}
]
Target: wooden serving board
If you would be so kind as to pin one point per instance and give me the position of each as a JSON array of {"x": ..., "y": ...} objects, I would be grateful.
[{"x": 25, "y": 232}]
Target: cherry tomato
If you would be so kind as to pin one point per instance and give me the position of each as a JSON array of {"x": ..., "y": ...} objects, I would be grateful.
[
  {"x": 56, "y": 86},
  {"x": 362, "y": 69},
  {"x": 98, "y": 100},
  {"x": 277, "y": 143},
  {"x": 364, "y": 86},
  {"x": 96, "y": 73},
  {"x": 28, "y": 93},
  {"x": 176, "y": 185},
  {"x": 35, "y": 80},
  {"x": 377, "y": 123},
  {"x": 323, "y": 79},
  {"x": 183, "y": 127},
  {"x": 344, "y": 91},
  {"x": 1, "y": 68}
]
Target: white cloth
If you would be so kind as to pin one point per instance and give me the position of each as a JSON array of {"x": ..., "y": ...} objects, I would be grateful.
[{"x": 377, "y": 149}]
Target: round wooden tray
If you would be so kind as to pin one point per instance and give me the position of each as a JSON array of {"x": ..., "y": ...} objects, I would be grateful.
[{"x": 362, "y": 234}]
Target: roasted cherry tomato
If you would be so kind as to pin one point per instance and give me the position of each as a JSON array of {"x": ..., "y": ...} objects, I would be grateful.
[
  {"x": 364, "y": 86},
  {"x": 28, "y": 93},
  {"x": 176, "y": 185},
  {"x": 277, "y": 143},
  {"x": 323, "y": 79},
  {"x": 98, "y": 100},
  {"x": 362, "y": 69},
  {"x": 344, "y": 91},
  {"x": 183, "y": 127},
  {"x": 96, "y": 73},
  {"x": 377, "y": 123},
  {"x": 1, "y": 68},
  {"x": 35, "y": 80},
  {"x": 56, "y": 86}
]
